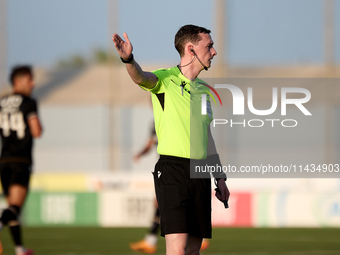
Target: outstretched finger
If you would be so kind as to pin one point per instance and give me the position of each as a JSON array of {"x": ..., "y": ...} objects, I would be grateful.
[
  {"x": 116, "y": 38},
  {"x": 126, "y": 38}
]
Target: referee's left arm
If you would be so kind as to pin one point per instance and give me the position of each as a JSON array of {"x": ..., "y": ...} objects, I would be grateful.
[
  {"x": 211, "y": 150},
  {"x": 213, "y": 156}
]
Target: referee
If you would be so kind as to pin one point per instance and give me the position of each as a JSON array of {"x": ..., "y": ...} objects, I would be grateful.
[
  {"x": 184, "y": 203},
  {"x": 19, "y": 124}
]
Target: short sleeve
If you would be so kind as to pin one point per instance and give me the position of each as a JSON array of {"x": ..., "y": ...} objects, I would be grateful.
[{"x": 159, "y": 87}]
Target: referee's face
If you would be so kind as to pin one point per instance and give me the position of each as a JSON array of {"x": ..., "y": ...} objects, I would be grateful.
[{"x": 205, "y": 49}]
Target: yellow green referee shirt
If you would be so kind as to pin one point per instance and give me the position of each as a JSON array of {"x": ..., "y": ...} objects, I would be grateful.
[{"x": 180, "y": 127}]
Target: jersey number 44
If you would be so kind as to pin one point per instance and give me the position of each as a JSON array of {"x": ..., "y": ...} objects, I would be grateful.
[{"x": 12, "y": 122}]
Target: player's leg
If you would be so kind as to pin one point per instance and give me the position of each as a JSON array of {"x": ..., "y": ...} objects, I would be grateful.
[
  {"x": 182, "y": 244},
  {"x": 149, "y": 243},
  {"x": 193, "y": 245},
  {"x": 16, "y": 195},
  {"x": 5, "y": 177},
  {"x": 16, "y": 199},
  {"x": 176, "y": 243},
  {"x": 153, "y": 231},
  {"x": 152, "y": 237}
]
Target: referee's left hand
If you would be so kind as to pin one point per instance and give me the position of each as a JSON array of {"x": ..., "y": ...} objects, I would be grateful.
[{"x": 222, "y": 186}]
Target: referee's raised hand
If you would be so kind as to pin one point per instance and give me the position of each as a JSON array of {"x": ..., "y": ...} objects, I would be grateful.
[{"x": 124, "y": 48}]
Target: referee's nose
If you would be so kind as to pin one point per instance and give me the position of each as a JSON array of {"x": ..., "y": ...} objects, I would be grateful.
[{"x": 214, "y": 52}]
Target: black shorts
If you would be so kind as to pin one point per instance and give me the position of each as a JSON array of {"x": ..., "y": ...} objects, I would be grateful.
[
  {"x": 14, "y": 173},
  {"x": 184, "y": 203}
]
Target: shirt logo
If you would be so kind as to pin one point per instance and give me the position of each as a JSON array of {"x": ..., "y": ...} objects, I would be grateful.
[
  {"x": 159, "y": 174},
  {"x": 211, "y": 88}
]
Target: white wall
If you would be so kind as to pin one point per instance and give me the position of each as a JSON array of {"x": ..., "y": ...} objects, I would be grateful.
[{"x": 81, "y": 138}]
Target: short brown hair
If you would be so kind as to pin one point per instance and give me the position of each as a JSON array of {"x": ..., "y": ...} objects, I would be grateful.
[
  {"x": 188, "y": 33},
  {"x": 20, "y": 71}
]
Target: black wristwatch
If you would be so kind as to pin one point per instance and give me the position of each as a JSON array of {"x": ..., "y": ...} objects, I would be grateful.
[{"x": 129, "y": 60}]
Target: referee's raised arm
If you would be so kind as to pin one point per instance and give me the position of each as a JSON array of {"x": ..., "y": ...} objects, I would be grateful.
[{"x": 124, "y": 49}]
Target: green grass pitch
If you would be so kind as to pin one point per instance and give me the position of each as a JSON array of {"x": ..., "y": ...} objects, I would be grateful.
[{"x": 233, "y": 241}]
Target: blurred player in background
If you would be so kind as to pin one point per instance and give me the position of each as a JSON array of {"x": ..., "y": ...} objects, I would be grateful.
[
  {"x": 152, "y": 141},
  {"x": 19, "y": 124},
  {"x": 184, "y": 202},
  {"x": 149, "y": 243}
]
